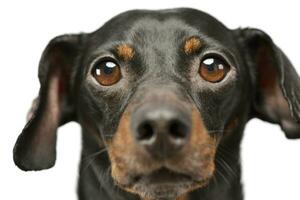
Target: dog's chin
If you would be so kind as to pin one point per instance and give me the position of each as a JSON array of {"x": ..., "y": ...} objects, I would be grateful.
[{"x": 164, "y": 184}]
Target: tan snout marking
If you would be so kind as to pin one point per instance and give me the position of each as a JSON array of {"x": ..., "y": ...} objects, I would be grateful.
[
  {"x": 203, "y": 143},
  {"x": 192, "y": 45},
  {"x": 117, "y": 146},
  {"x": 197, "y": 157},
  {"x": 125, "y": 51},
  {"x": 126, "y": 155}
]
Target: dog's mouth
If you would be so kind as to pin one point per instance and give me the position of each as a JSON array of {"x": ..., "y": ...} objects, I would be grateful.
[
  {"x": 165, "y": 184},
  {"x": 162, "y": 176}
]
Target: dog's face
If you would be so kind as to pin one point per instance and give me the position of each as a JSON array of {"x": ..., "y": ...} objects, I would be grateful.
[{"x": 161, "y": 90}]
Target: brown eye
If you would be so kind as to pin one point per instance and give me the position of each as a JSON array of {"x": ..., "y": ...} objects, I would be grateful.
[
  {"x": 213, "y": 69},
  {"x": 107, "y": 72}
]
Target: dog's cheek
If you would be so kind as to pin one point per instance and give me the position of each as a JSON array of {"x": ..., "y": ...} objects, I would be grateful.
[
  {"x": 204, "y": 144},
  {"x": 119, "y": 148}
]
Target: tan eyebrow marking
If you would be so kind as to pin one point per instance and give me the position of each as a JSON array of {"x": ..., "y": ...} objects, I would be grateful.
[
  {"x": 192, "y": 45},
  {"x": 125, "y": 52}
]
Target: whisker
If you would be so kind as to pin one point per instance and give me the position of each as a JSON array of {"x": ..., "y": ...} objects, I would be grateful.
[
  {"x": 223, "y": 176},
  {"x": 227, "y": 169},
  {"x": 219, "y": 131},
  {"x": 226, "y": 153},
  {"x": 110, "y": 136},
  {"x": 91, "y": 158},
  {"x": 230, "y": 168},
  {"x": 88, "y": 165},
  {"x": 94, "y": 154},
  {"x": 106, "y": 174}
]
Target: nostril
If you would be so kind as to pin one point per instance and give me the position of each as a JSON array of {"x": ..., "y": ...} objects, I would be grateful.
[
  {"x": 178, "y": 130},
  {"x": 145, "y": 131}
]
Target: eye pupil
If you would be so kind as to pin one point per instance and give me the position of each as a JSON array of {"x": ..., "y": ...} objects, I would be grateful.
[
  {"x": 107, "y": 72},
  {"x": 213, "y": 69},
  {"x": 210, "y": 68}
]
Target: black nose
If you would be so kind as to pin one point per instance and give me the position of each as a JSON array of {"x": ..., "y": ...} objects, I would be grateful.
[{"x": 162, "y": 130}]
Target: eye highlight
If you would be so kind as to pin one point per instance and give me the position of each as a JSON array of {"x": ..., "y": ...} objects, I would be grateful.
[
  {"x": 107, "y": 72},
  {"x": 213, "y": 69}
]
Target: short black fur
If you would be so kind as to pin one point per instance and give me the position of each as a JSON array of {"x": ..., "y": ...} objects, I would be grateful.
[{"x": 157, "y": 37}]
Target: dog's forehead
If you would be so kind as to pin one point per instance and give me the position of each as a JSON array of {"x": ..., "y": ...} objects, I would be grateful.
[{"x": 166, "y": 26}]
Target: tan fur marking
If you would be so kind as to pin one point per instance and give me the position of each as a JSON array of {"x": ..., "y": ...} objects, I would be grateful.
[
  {"x": 126, "y": 155},
  {"x": 202, "y": 142},
  {"x": 192, "y": 45},
  {"x": 125, "y": 51},
  {"x": 196, "y": 157}
]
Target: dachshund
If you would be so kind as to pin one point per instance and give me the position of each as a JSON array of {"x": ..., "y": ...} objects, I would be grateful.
[{"x": 162, "y": 98}]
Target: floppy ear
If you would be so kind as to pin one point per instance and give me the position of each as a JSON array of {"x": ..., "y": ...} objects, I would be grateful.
[
  {"x": 277, "y": 83},
  {"x": 35, "y": 148}
]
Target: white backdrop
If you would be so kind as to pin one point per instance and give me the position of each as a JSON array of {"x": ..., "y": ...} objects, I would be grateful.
[{"x": 271, "y": 163}]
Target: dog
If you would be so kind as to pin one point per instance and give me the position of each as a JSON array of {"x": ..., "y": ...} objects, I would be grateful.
[{"x": 163, "y": 98}]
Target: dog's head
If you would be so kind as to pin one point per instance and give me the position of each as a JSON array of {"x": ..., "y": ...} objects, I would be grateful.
[{"x": 161, "y": 90}]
